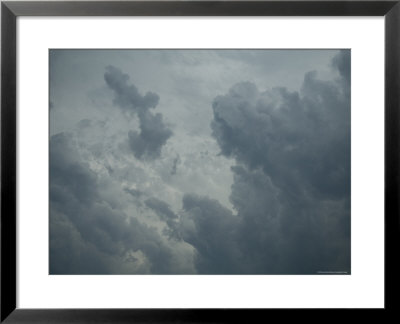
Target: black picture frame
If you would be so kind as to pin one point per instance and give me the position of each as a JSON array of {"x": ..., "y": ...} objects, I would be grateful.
[{"x": 10, "y": 10}]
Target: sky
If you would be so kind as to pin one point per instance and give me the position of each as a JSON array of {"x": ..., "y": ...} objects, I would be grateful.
[{"x": 199, "y": 161}]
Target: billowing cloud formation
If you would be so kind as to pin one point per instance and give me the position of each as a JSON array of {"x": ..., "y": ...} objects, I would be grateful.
[
  {"x": 291, "y": 184},
  {"x": 175, "y": 164},
  {"x": 153, "y": 132},
  {"x": 91, "y": 233},
  {"x": 342, "y": 62},
  {"x": 298, "y": 139},
  {"x": 282, "y": 205},
  {"x": 211, "y": 229},
  {"x": 127, "y": 96},
  {"x": 152, "y": 137}
]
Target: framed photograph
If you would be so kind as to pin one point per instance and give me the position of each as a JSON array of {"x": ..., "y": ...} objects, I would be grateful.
[{"x": 198, "y": 161}]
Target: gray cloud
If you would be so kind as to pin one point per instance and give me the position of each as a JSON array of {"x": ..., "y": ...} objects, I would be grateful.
[
  {"x": 152, "y": 137},
  {"x": 153, "y": 132},
  {"x": 288, "y": 210},
  {"x": 342, "y": 62},
  {"x": 70, "y": 253},
  {"x": 297, "y": 138},
  {"x": 175, "y": 164},
  {"x": 135, "y": 193},
  {"x": 291, "y": 185},
  {"x": 281, "y": 233},
  {"x": 127, "y": 96},
  {"x": 97, "y": 226},
  {"x": 161, "y": 207},
  {"x": 211, "y": 229},
  {"x": 164, "y": 212}
]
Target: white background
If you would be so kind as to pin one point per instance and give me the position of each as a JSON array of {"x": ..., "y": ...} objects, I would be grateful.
[{"x": 363, "y": 288}]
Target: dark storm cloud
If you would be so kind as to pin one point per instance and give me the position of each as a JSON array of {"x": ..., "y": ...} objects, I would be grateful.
[
  {"x": 164, "y": 212},
  {"x": 281, "y": 233},
  {"x": 211, "y": 229},
  {"x": 299, "y": 139},
  {"x": 88, "y": 233},
  {"x": 342, "y": 62},
  {"x": 153, "y": 132},
  {"x": 127, "y": 96},
  {"x": 135, "y": 193},
  {"x": 161, "y": 208},
  {"x": 175, "y": 164},
  {"x": 290, "y": 193},
  {"x": 291, "y": 186},
  {"x": 69, "y": 253},
  {"x": 84, "y": 123},
  {"x": 152, "y": 137},
  {"x": 76, "y": 178}
]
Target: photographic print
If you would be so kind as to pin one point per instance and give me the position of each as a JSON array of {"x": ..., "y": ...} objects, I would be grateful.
[{"x": 200, "y": 161}]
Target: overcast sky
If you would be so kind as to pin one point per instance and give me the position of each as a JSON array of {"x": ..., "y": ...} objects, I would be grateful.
[{"x": 199, "y": 161}]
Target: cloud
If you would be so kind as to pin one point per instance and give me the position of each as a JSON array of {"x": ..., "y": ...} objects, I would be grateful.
[
  {"x": 280, "y": 233},
  {"x": 291, "y": 186},
  {"x": 164, "y": 212},
  {"x": 153, "y": 132},
  {"x": 83, "y": 222},
  {"x": 342, "y": 62},
  {"x": 211, "y": 229},
  {"x": 288, "y": 210},
  {"x": 152, "y": 137},
  {"x": 134, "y": 192},
  {"x": 127, "y": 97},
  {"x": 161, "y": 207},
  {"x": 175, "y": 164},
  {"x": 298, "y": 138}
]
